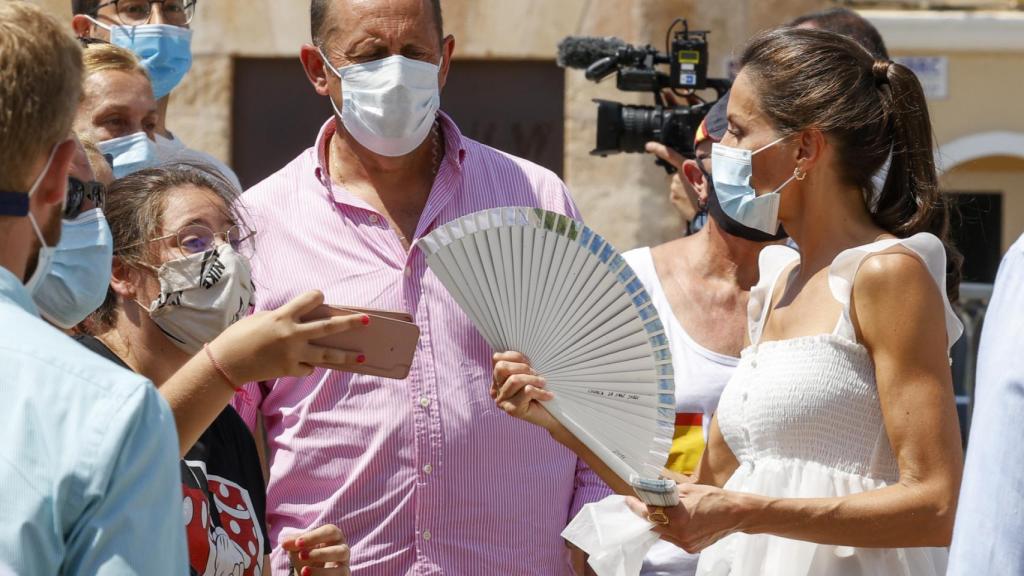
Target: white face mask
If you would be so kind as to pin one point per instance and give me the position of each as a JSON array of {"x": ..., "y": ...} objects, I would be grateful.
[
  {"x": 131, "y": 153},
  {"x": 388, "y": 105},
  {"x": 731, "y": 169},
  {"x": 201, "y": 295},
  {"x": 46, "y": 252}
]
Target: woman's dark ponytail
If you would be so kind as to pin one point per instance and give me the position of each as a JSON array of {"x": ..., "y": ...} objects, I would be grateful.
[
  {"x": 872, "y": 110},
  {"x": 911, "y": 202}
]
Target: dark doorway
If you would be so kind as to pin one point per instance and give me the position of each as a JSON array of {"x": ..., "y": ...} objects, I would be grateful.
[
  {"x": 276, "y": 115},
  {"x": 515, "y": 106},
  {"x": 978, "y": 233}
]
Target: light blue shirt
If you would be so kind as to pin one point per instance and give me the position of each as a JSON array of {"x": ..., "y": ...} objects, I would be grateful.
[
  {"x": 89, "y": 478},
  {"x": 989, "y": 533}
]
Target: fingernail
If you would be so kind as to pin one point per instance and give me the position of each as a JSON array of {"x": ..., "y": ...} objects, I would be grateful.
[
  {"x": 360, "y": 359},
  {"x": 366, "y": 320},
  {"x": 298, "y": 542},
  {"x": 306, "y": 571},
  {"x": 303, "y": 555}
]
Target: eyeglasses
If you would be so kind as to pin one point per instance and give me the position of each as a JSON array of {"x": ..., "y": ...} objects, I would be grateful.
[
  {"x": 196, "y": 239},
  {"x": 138, "y": 12},
  {"x": 87, "y": 41},
  {"x": 79, "y": 192}
]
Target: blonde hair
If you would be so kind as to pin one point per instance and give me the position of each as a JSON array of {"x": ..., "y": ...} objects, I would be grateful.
[
  {"x": 40, "y": 87},
  {"x": 101, "y": 169},
  {"x": 103, "y": 57}
]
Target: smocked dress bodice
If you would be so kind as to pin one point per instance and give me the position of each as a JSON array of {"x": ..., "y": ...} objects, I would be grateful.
[{"x": 803, "y": 418}]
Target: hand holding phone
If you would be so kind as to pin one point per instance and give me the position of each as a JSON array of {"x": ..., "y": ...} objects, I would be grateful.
[{"x": 388, "y": 343}]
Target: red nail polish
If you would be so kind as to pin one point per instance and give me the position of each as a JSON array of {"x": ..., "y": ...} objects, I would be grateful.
[
  {"x": 298, "y": 542},
  {"x": 366, "y": 320},
  {"x": 306, "y": 571},
  {"x": 361, "y": 359},
  {"x": 303, "y": 555}
]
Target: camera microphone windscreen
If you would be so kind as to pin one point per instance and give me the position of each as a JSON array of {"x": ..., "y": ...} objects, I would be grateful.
[{"x": 582, "y": 51}]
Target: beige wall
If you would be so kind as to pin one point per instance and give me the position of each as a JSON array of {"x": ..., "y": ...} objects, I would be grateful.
[
  {"x": 625, "y": 196},
  {"x": 986, "y": 92}
]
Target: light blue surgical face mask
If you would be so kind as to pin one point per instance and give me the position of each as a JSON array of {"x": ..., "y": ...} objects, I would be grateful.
[
  {"x": 165, "y": 51},
  {"x": 46, "y": 252},
  {"x": 130, "y": 153},
  {"x": 731, "y": 169},
  {"x": 79, "y": 273}
]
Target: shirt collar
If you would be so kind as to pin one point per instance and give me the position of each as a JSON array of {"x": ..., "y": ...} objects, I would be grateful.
[
  {"x": 454, "y": 146},
  {"x": 13, "y": 290}
]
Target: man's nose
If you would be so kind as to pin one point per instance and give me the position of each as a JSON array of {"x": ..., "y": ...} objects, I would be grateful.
[{"x": 157, "y": 14}]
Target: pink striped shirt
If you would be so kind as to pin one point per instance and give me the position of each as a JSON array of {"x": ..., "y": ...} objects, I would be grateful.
[{"x": 425, "y": 475}]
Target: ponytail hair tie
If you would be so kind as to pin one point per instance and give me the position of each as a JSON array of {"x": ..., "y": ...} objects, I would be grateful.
[{"x": 880, "y": 69}]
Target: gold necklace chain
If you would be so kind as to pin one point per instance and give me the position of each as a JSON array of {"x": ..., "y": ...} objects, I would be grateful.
[{"x": 435, "y": 162}]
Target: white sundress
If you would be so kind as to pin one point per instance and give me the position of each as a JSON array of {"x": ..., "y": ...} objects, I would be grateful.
[{"x": 803, "y": 418}]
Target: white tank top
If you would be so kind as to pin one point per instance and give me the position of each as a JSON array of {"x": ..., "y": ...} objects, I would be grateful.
[{"x": 700, "y": 376}]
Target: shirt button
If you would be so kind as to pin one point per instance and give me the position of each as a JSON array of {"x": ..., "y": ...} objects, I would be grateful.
[
  {"x": 424, "y": 401},
  {"x": 428, "y": 469},
  {"x": 374, "y": 219},
  {"x": 426, "y": 535}
]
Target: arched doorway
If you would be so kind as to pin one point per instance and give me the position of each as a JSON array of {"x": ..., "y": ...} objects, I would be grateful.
[{"x": 986, "y": 173}]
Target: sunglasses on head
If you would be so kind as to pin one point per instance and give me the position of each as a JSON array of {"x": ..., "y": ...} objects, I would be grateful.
[{"x": 78, "y": 193}]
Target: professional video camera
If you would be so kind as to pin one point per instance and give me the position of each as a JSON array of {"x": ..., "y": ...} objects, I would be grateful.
[{"x": 626, "y": 128}]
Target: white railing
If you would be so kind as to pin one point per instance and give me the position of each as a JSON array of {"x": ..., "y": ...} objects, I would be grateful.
[{"x": 974, "y": 298}]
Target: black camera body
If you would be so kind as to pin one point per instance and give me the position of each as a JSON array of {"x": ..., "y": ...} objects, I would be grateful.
[{"x": 627, "y": 128}]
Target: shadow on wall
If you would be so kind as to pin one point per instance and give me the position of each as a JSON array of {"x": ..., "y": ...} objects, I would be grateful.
[{"x": 515, "y": 106}]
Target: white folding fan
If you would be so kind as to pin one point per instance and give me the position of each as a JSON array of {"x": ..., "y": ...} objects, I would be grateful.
[{"x": 543, "y": 284}]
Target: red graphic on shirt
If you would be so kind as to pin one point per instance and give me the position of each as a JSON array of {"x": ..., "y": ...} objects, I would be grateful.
[{"x": 235, "y": 546}]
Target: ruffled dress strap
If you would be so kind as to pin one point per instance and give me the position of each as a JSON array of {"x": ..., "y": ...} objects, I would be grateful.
[
  {"x": 771, "y": 263},
  {"x": 927, "y": 247}
]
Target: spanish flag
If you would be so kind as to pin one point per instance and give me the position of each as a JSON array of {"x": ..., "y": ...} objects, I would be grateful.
[{"x": 687, "y": 443}]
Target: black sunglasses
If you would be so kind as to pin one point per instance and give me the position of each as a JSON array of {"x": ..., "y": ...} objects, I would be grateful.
[{"x": 78, "y": 192}]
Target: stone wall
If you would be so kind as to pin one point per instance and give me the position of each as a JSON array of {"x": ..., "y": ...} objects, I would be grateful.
[{"x": 625, "y": 197}]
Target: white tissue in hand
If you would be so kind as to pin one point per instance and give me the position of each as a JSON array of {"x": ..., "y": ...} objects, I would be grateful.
[{"x": 616, "y": 539}]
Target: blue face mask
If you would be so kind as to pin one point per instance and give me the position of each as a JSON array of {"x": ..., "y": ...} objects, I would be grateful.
[
  {"x": 76, "y": 280},
  {"x": 731, "y": 169},
  {"x": 130, "y": 153},
  {"x": 165, "y": 51}
]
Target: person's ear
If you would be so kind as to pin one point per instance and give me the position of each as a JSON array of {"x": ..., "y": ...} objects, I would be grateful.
[
  {"x": 124, "y": 280},
  {"x": 692, "y": 174},
  {"x": 810, "y": 147},
  {"x": 54, "y": 185},
  {"x": 447, "y": 50},
  {"x": 316, "y": 70},
  {"x": 85, "y": 28}
]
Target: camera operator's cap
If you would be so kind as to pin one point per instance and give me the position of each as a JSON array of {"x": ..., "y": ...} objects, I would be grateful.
[{"x": 714, "y": 124}]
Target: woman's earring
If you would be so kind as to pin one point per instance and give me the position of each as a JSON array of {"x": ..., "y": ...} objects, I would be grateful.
[{"x": 799, "y": 174}]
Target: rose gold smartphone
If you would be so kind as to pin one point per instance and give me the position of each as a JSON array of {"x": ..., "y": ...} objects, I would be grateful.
[
  {"x": 402, "y": 316},
  {"x": 389, "y": 342}
]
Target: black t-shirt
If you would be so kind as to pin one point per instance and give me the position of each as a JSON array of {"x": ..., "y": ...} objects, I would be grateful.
[{"x": 224, "y": 497}]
